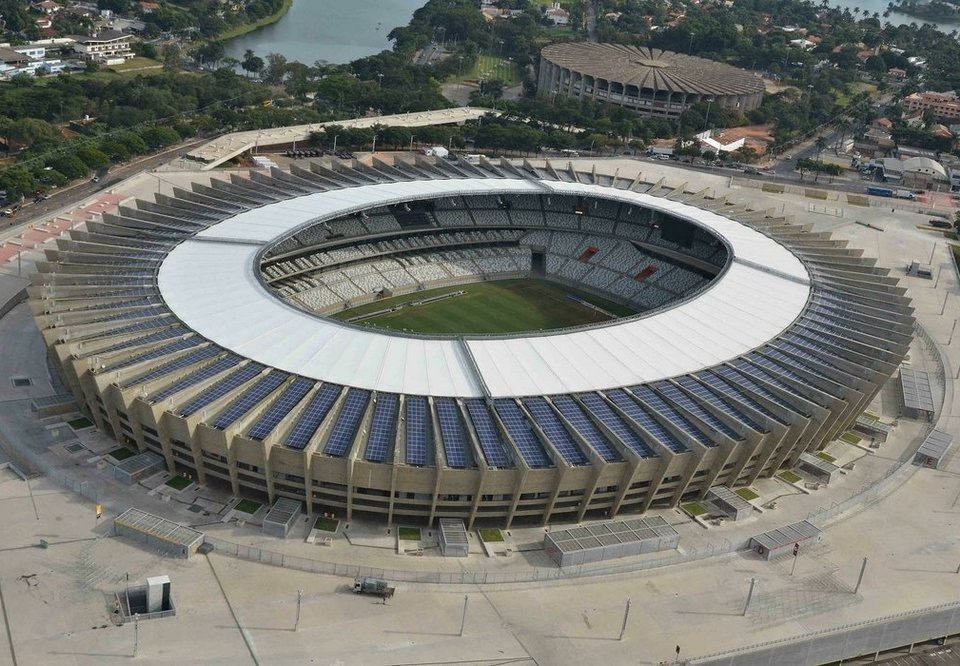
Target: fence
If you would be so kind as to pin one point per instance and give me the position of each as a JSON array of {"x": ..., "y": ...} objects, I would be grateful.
[{"x": 845, "y": 642}]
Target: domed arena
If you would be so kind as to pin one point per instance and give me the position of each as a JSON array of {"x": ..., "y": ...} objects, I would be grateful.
[{"x": 439, "y": 339}]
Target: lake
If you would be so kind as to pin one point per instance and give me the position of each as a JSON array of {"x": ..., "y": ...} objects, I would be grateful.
[
  {"x": 880, "y": 6},
  {"x": 334, "y": 31}
]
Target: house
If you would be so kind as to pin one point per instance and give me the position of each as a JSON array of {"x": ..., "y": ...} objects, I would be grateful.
[
  {"x": 48, "y": 7},
  {"x": 109, "y": 45},
  {"x": 12, "y": 58},
  {"x": 149, "y": 7},
  {"x": 557, "y": 15},
  {"x": 924, "y": 173},
  {"x": 802, "y": 43},
  {"x": 896, "y": 74}
]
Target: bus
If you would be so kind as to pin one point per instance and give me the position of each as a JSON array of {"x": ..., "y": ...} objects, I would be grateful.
[{"x": 879, "y": 191}]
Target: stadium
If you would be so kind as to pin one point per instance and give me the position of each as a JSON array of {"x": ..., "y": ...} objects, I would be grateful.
[
  {"x": 650, "y": 81},
  {"x": 492, "y": 342}
]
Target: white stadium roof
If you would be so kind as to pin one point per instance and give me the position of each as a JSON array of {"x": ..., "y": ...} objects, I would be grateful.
[{"x": 211, "y": 282}]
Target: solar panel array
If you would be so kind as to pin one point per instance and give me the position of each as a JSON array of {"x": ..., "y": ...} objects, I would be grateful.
[
  {"x": 695, "y": 408},
  {"x": 643, "y": 418},
  {"x": 281, "y": 407},
  {"x": 575, "y": 415},
  {"x": 160, "y": 336},
  {"x": 646, "y": 394},
  {"x": 312, "y": 416},
  {"x": 555, "y": 431},
  {"x": 451, "y": 433},
  {"x": 173, "y": 366},
  {"x": 733, "y": 395},
  {"x": 158, "y": 352},
  {"x": 418, "y": 432},
  {"x": 251, "y": 398},
  {"x": 201, "y": 375},
  {"x": 222, "y": 388},
  {"x": 602, "y": 411},
  {"x": 383, "y": 428},
  {"x": 344, "y": 430},
  {"x": 522, "y": 434},
  {"x": 760, "y": 374},
  {"x": 491, "y": 443}
]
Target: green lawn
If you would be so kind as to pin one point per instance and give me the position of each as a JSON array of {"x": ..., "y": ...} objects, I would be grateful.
[
  {"x": 137, "y": 63},
  {"x": 179, "y": 482},
  {"x": 490, "y": 534},
  {"x": 823, "y": 455},
  {"x": 789, "y": 476},
  {"x": 491, "y": 67},
  {"x": 850, "y": 438},
  {"x": 250, "y": 27},
  {"x": 80, "y": 423},
  {"x": 331, "y": 525},
  {"x": 694, "y": 509},
  {"x": 409, "y": 533},
  {"x": 248, "y": 506},
  {"x": 121, "y": 454},
  {"x": 509, "y": 306},
  {"x": 747, "y": 494}
]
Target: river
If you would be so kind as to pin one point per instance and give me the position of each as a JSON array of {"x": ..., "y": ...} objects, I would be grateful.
[
  {"x": 880, "y": 6},
  {"x": 333, "y": 31}
]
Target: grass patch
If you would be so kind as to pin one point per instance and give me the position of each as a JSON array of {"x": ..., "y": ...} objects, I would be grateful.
[
  {"x": 490, "y": 534},
  {"x": 489, "y": 67},
  {"x": 329, "y": 524},
  {"x": 121, "y": 454},
  {"x": 409, "y": 533},
  {"x": 506, "y": 306},
  {"x": 248, "y": 506},
  {"x": 747, "y": 494},
  {"x": 850, "y": 438},
  {"x": 955, "y": 249},
  {"x": 694, "y": 509},
  {"x": 789, "y": 476},
  {"x": 80, "y": 423},
  {"x": 823, "y": 455},
  {"x": 179, "y": 482},
  {"x": 250, "y": 27},
  {"x": 871, "y": 415}
]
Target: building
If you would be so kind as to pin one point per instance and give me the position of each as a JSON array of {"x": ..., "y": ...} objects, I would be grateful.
[
  {"x": 107, "y": 46},
  {"x": 204, "y": 344},
  {"x": 945, "y": 106},
  {"x": 924, "y": 173},
  {"x": 649, "y": 81},
  {"x": 557, "y": 15}
]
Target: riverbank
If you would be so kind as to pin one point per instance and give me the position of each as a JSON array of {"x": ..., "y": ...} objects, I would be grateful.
[
  {"x": 933, "y": 12},
  {"x": 247, "y": 28}
]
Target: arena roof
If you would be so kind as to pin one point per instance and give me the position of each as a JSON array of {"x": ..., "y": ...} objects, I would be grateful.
[
  {"x": 653, "y": 68},
  {"x": 211, "y": 282}
]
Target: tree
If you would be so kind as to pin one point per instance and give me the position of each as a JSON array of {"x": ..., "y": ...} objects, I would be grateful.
[
  {"x": 251, "y": 63},
  {"x": 820, "y": 144},
  {"x": 211, "y": 52},
  {"x": 171, "y": 58},
  {"x": 276, "y": 69}
]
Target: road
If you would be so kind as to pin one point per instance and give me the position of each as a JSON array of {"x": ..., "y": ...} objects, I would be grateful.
[{"x": 72, "y": 194}]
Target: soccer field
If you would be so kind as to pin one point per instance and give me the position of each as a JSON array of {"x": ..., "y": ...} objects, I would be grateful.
[{"x": 509, "y": 306}]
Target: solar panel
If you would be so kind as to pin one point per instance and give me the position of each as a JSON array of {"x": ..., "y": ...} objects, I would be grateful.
[
  {"x": 382, "y": 428},
  {"x": 341, "y": 437},
  {"x": 745, "y": 378},
  {"x": 734, "y": 395},
  {"x": 695, "y": 408},
  {"x": 250, "y": 398},
  {"x": 451, "y": 433},
  {"x": 520, "y": 431},
  {"x": 779, "y": 370},
  {"x": 805, "y": 355},
  {"x": 158, "y": 352},
  {"x": 160, "y": 336},
  {"x": 666, "y": 411},
  {"x": 494, "y": 450},
  {"x": 551, "y": 426},
  {"x": 312, "y": 416},
  {"x": 418, "y": 431},
  {"x": 579, "y": 420},
  {"x": 283, "y": 406},
  {"x": 200, "y": 375},
  {"x": 602, "y": 411},
  {"x": 222, "y": 388},
  {"x": 643, "y": 418},
  {"x": 173, "y": 366}
]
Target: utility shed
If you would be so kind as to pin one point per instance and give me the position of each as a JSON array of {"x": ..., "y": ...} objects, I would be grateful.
[
  {"x": 281, "y": 517},
  {"x": 916, "y": 269},
  {"x": 872, "y": 426},
  {"x": 453, "y": 538},
  {"x": 607, "y": 541},
  {"x": 776, "y": 543},
  {"x": 731, "y": 504},
  {"x": 138, "y": 467},
  {"x": 917, "y": 394},
  {"x": 933, "y": 450},
  {"x": 820, "y": 469},
  {"x": 157, "y": 532}
]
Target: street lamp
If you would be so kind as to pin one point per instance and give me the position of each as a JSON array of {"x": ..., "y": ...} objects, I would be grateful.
[
  {"x": 690, "y": 45},
  {"x": 379, "y": 81},
  {"x": 459, "y": 70}
]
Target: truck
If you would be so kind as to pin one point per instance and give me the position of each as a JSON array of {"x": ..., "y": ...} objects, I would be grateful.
[
  {"x": 906, "y": 194},
  {"x": 375, "y": 586},
  {"x": 879, "y": 191}
]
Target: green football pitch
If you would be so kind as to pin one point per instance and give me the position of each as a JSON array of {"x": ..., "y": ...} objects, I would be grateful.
[{"x": 508, "y": 306}]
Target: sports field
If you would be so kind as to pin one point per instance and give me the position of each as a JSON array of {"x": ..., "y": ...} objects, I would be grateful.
[{"x": 508, "y": 306}]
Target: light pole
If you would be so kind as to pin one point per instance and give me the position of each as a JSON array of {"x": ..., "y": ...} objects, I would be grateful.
[
  {"x": 706, "y": 120},
  {"x": 374, "y": 149},
  {"x": 379, "y": 81},
  {"x": 459, "y": 70},
  {"x": 335, "y": 142},
  {"x": 690, "y": 45}
]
